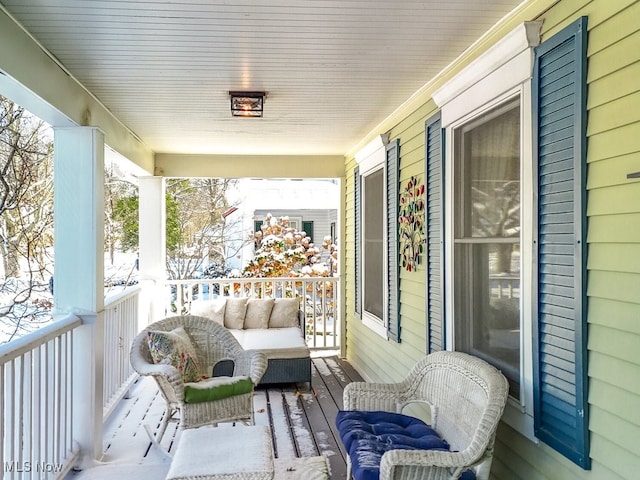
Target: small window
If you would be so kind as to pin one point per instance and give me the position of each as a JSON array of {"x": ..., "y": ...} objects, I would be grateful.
[
  {"x": 373, "y": 275},
  {"x": 373, "y": 244}
]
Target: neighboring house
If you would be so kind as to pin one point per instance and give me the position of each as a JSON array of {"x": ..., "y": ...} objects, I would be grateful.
[
  {"x": 311, "y": 206},
  {"x": 316, "y": 223},
  {"x": 553, "y": 128}
]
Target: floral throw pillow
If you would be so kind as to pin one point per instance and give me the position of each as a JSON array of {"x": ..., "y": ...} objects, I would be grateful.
[{"x": 175, "y": 348}]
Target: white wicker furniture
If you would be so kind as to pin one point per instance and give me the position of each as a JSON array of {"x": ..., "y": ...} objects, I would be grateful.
[
  {"x": 241, "y": 453},
  {"x": 281, "y": 336},
  {"x": 212, "y": 343},
  {"x": 466, "y": 397}
]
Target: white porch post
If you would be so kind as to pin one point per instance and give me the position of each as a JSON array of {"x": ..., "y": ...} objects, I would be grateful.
[
  {"x": 79, "y": 271},
  {"x": 152, "y": 242}
]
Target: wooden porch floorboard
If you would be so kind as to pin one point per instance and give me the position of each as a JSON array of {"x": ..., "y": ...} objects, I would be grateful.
[{"x": 301, "y": 421}]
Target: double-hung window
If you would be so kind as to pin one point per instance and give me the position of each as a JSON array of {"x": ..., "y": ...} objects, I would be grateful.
[
  {"x": 486, "y": 120},
  {"x": 376, "y": 250},
  {"x": 486, "y": 238},
  {"x": 512, "y": 202},
  {"x": 373, "y": 256}
]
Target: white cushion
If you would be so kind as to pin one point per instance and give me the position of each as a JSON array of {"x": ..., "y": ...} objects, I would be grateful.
[
  {"x": 258, "y": 312},
  {"x": 284, "y": 313},
  {"x": 212, "y": 309},
  {"x": 229, "y": 453},
  {"x": 276, "y": 342},
  {"x": 234, "y": 312}
]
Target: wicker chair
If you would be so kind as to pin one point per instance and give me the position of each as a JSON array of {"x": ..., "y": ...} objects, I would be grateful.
[
  {"x": 466, "y": 397},
  {"x": 213, "y": 343}
]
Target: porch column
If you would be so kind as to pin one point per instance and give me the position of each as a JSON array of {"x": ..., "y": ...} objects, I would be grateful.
[
  {"x": 79, "y": 271},
  {"x": 152, "y": 244}
]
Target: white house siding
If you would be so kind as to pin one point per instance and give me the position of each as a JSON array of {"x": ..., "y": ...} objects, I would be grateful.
[
  {"x": 321, "y": 218},
  {"x": 613, "y": 260}
]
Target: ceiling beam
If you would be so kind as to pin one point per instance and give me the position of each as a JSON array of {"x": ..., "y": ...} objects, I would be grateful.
[{"x": 250, "y": 166}]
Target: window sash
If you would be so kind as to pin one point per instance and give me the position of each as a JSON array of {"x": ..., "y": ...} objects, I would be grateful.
[{"x": 373, "y": 244}]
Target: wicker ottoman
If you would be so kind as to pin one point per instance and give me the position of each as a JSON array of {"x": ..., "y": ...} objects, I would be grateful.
[{"x": 223, "y": 453}]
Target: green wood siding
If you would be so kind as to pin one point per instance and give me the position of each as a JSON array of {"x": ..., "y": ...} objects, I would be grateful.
[
  {"x": 613, "y": 265},
  {"x": 613, "y": 261},
  {"x": 367, "y": 351}
]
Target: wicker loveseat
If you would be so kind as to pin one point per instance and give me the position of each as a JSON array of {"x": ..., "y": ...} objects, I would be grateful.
[
  {"x": 273, "y": 326},
  {"x": 465, "y": 397},
  {"x": 211, "y": 343}
]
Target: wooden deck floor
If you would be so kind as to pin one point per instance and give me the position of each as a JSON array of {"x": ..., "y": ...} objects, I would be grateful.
[{"x": 301, "y": 420}]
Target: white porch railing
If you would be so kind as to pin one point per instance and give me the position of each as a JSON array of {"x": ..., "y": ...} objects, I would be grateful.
[
  {"x": 121, "y": 313},
  {"x": 37, "y": 396},
  {"x": 320, "y": 300},
  {"x": 37, "y": 404}
]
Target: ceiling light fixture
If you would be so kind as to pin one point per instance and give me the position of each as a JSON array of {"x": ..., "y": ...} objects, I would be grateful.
[{"x": 247, "y": 104}]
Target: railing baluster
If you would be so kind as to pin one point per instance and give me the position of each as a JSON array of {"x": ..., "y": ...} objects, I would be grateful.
[
  {"x": 34, "y": 423},
  {"x": 10, "y": 417},
  {"x": 121, "y": 324},
  {"x": 57, "y": 410}
]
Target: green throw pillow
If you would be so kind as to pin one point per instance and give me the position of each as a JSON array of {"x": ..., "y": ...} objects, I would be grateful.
[{"x": 216, "y": 388}]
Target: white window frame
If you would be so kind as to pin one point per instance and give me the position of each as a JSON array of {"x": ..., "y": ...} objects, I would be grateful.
[
  {"x": 502, "y": 73},
  {"x": 295, "y": 223},
  {"x": 371, "y": 159}
]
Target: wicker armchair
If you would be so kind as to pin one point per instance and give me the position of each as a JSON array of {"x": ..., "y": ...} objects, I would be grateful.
[
  {"x": 213, "y": 343},
  {"x": 466, "y": 397}
]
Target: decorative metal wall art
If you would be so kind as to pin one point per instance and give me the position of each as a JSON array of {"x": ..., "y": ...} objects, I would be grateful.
[{"x": 411, "y": 223}]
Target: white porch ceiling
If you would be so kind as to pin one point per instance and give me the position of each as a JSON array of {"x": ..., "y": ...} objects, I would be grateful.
[{"x": 332, "y": 69}]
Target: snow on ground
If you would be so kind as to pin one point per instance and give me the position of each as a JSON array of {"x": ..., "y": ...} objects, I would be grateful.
[
  {"x": 129, "y": 455},
  {"x": 306, "y": 445},
  {"x": 124, "y": 472},
  {"x": 336, "y": 370}
]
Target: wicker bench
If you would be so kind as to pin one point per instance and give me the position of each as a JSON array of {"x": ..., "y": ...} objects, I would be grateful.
[{"x": 273, "y": 326}]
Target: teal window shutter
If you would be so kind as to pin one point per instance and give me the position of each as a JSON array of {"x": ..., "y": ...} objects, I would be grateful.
[
  {"x": 357, "y": 254},
  {"x": 393, "y": 292},
  {"x": 559, "y": 135},
  {"x": 434, "y": 158}
]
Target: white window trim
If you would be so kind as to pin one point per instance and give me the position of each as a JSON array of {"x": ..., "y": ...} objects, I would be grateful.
[
  {"x": 371, "y": 158},
  {"x": 503, "y": 72}
]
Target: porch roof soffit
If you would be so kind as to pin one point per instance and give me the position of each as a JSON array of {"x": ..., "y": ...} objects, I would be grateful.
[
  {"x": 34, "y": 79},
  {"x": 425, "y": 95}
]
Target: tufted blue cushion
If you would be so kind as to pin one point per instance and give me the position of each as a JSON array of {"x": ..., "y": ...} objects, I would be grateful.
[{"x": 368, "y": 435}]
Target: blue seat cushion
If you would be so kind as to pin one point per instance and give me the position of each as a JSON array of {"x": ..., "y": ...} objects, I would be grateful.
[{"x": 366, "y": 436}]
